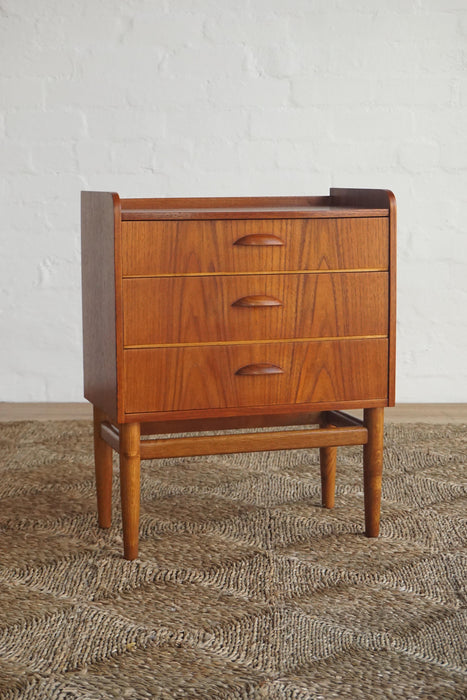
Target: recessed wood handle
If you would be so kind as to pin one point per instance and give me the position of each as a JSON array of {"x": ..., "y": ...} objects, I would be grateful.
[
  {"x": 258, "y": 300},
  {"x": 259, "y": 239},
  {"x": 260, "y": 368}
]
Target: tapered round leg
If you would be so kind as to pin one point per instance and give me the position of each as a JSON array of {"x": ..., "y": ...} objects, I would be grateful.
[
  {"x": 103, "y": 469},
  {"x": 373, "y": 419},
  {"x": 327, "y": 460},
  {"x": 130, "y": 486}
]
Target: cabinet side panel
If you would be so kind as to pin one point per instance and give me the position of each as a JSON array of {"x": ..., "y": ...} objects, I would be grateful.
[
  {"x": 99, "y": 212},
  {"x": 392, "y": 297},
  {"x": 367, "y": 198}
]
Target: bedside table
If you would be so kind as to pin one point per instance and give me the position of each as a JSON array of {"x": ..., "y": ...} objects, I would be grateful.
[{"x": 211, "y": 314}]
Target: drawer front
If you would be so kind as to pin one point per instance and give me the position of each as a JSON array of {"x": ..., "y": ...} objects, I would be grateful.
[
  {"x": 184, "y": 247},
  {"x": 190, "y": 378},
  {"x": 163, "y": 310}
]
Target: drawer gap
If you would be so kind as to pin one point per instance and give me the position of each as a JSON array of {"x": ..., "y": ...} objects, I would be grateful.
[
  {"x": 258, "y": 341},
  {"x": 258, "y": 272}
]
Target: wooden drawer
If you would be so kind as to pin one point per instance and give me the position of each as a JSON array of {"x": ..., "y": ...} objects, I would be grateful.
[
  {"x": 183, "y": 247},
  {"x": 190, "y": 378},
  {"x": 162, "y": 310}
]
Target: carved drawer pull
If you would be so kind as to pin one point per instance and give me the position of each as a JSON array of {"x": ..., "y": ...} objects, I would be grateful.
[
  {"x": 257, "y": 300},
  {"x": 259, "y": 239},
  {"x": 260, "y": 368}
]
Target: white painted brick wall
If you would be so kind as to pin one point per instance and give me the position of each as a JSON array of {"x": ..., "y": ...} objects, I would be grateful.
[{"x": 230, "y": 97}]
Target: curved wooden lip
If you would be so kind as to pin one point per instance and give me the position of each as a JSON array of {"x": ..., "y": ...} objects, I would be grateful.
[
  {"x": 259, "y": 239},
  {"x": 256, "y": 300},
  {"x": 259, "y": 368}
]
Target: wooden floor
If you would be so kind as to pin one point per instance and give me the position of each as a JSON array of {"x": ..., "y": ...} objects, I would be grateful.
[{"x": 402, "y": 413}]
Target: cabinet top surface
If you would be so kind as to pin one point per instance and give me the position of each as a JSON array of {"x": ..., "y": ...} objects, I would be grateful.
[{"x": 241, "y": 208}]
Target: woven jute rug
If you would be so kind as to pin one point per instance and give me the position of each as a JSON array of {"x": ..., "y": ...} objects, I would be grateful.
[{"x": 245, "y": 587}]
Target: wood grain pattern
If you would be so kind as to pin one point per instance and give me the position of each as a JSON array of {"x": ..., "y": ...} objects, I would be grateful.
[
  {"x": 217, "y": 204},
  {"x": 240, "y": 208},
  {"x": 167, "y": 310},
  {"x": 103, "y": 471},
  {"x": 342, "y": 197},
  {"x": 327, "y": 461},
  {"x": 238, "y": 312},
  {"x": 192, "y": 378},
  {"x": 373, "y": 419},
  {"x": 100, "y": 216},
  {"x": 130, "y": 487},
  {"x": 258, "y": 369},
  {"x": 259, "y": 239},
  {"x": 240, "y": 442},
  {"x": 262, "y": 420},
  {"x": 218, "y": 414},
  {"x": 177, "y": 247},
  {"x": 251, "y": 442},
  {"x": 110, "y": 433},
  {"x": 325, "y": 212},
  {"x": 255, "y": 300}
]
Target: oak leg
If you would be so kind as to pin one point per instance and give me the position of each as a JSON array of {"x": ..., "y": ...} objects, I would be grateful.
[
  {"x": 373, "y": 419},
  {"x": 103, "y": 469},
  {"x": 327, "y": 461},
  {"x": 130, "y": 486}
]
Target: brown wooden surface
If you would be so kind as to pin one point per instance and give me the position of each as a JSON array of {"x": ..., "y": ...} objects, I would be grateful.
[
  {"x": 180, "y": 247},
  {"x": 342, "y": 197},
  {"x": 251, "y": 442},
  {"x": 110, "y": 434},
  {"x": 103, "y": 471},
  {"x": 219, "y": 316},
  {"x": 255, "y": 300},
  {"x": 100, "y": 214},
  {"x": 373, "y": 469},
  {"x": 259, "y": 368},
  {"x": 392, "y": 298},
  {"x": 259, "y": 239},
  {"x": 192, "y": 378},
  {"x": 379, "y": 198},
  {"x": 130, "y": 487},
  {"x": 262, "y": 420},
  {"x": 240, "y": 207},
  {"x": 327, "y": 463},
  {"x": 253, "y": 213},
  {"x": 240, "y": 411},
  {"x": 167, "y": 310},
  {"x": 339, "y": 419},
  {"x": 216, "y": 203},
  {"x": 215, "y": 424},
  {"x": 119, "y": 319}
]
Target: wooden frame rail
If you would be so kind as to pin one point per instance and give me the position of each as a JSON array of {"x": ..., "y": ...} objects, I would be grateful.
[{"x": 343, "y": 430}]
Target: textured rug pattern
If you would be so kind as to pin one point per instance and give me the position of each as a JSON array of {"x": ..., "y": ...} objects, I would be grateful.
[{"x": 245, "y": 587}]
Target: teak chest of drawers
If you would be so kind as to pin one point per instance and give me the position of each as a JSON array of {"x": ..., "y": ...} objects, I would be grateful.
[{"x": 211, "y": 314}]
